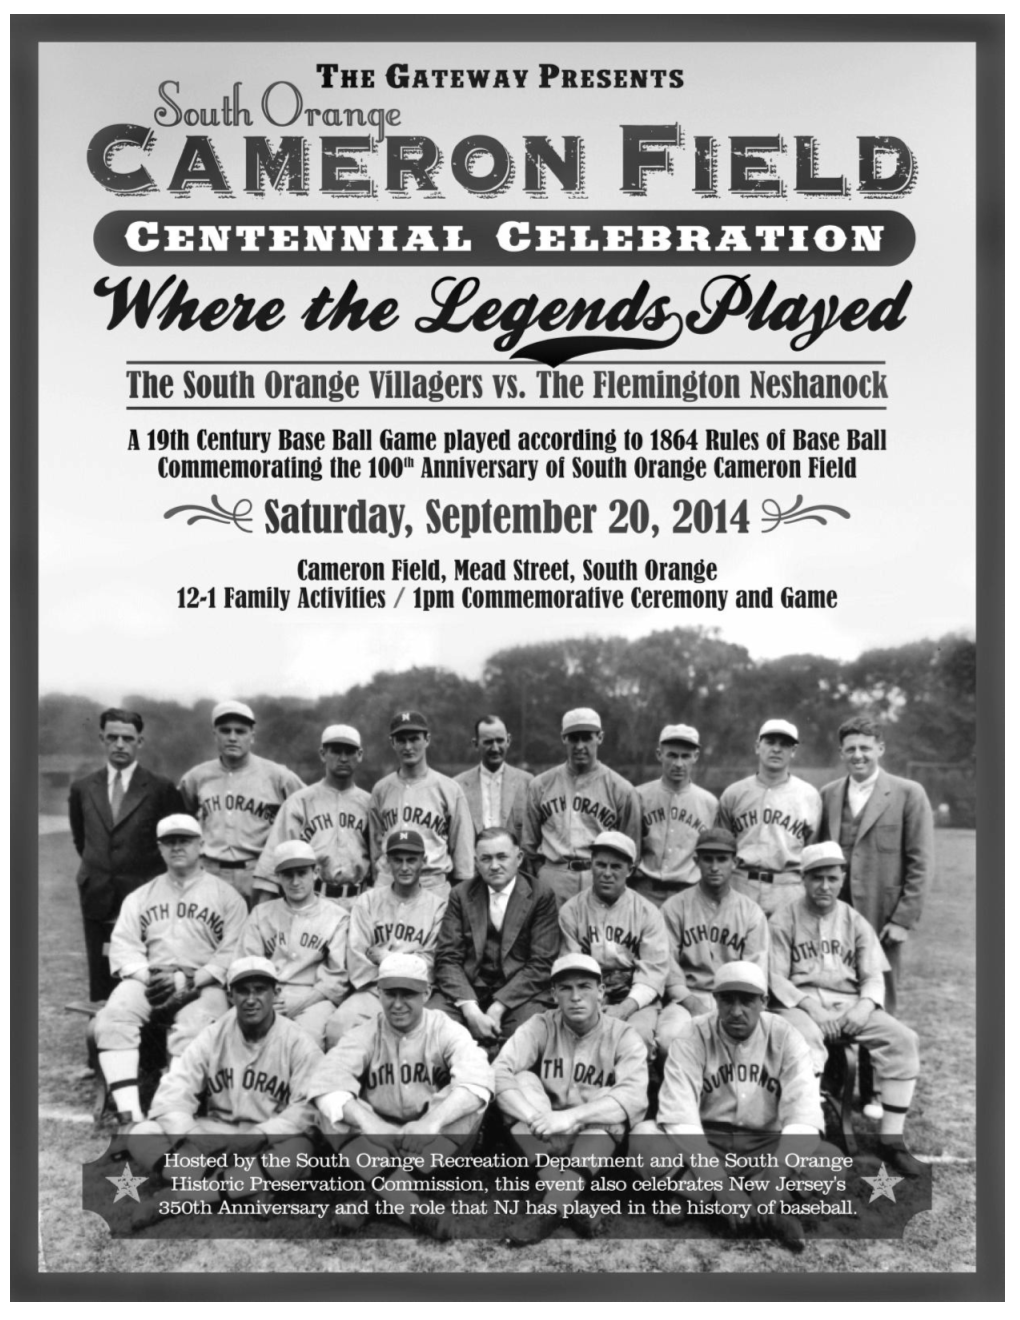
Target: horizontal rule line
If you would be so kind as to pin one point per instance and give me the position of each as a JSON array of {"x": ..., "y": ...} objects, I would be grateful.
[
  {"x": 487, "y": 407},
  {"x": 489, "y": 362}
]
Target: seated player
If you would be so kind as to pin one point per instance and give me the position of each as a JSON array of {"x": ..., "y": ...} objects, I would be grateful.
[
  {"x": 171, "y": 947},
  {"x": 827, "y": 970},
  {"x": 740, "y": 1080},
  {"x": 708, "y": 925},
  {"x": 406, "y": 1081},
  {"x": 305, "y": 938},
  {"x": 398, "y": 918},
  {"x": 499, "y": 936},
  {"x": 251, "y": 1070},
  {"x": 570, "y": 1081},
  {"x": 623, "y": 932}
]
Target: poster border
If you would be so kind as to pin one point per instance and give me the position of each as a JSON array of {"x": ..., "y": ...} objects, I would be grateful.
[{"x": 987, "y": 33}]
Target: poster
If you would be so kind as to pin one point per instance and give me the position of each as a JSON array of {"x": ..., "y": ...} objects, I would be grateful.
[{"x": 362, "y": 352}]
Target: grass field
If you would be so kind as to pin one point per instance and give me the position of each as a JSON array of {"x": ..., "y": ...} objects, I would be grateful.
[{"x": 937, "y": 999}]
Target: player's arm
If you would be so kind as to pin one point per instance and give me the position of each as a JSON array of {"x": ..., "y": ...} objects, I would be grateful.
[
  {"x": 519, "y": 1055},
  {"x": 461, "y": 842},
  {"x": 335, "y": 1084},
  {"x": 724, "y": 818},
  {"x": 251, "y": 943},
  {"x": 332, "y": 980},
  {"x": 362, "y": 970},
  {"x": 189, "y": 795},
  {"x": 570, "y": 926},
  {"x": 128, "y": 955},
  {"x": 531, "y": 834},
  {"x": 461, "y": 1102},
  {"x": 680, "y": 1098},
  {"x": 781, "y": 986},
  {"x": 281, "y": 829},
  {"x": 757, "y": 942},
  {"x": 652, "y": 966},
  {"x": 299, "y": 1113},
  {"x": 628, "y": 811},
  {"x": 235, "y": 914}
]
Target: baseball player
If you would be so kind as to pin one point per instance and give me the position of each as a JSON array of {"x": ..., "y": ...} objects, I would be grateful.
[
  {"x": 674, "y": 813},
  {"x": 572, "y": 803},
  {"x": 826, "y": 969},
  {"x": 305, "y": 937},
  {"x": 623, "y": 932},
  {"x": 570, "y": 1081},
  {"x": 740, "y": 1080},
  {"x": 401, "y": 917},
  {"x": 416, "y": 797},
  {"x": 171, "y": 946},
  {"x": 708, "y": 925},
  {"x": 774, "y": 815},
  {"x": 408, "y": 1080},
  {"x": 236, "y": 797},
  {"x": 251, "y": 1070},
  {"x": 332, "y": 816}
]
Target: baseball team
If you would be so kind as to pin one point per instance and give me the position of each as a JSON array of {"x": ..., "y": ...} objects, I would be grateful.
[{"x": 366, "y": 972}]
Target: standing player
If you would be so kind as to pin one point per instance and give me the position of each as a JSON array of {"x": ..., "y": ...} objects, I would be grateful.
[
  {"x": 708, "y": 925},
  {"x": 826, "y": 968},
  {"x": 572, "y": 803},
  {"x": 236, "y": 797},
  {"x": 496, "y": 793},
  {"x": 570, "y": 1082},
  {"x": 114, "y": 814},
  {"x": 332, "y": 816},
  {"x": 674, "y": 813},
  {"x": 623, "y": 932},
  {"x": 305, "y": 937},
  {"x": 401, "y": 917},
  {"x": 773, "y": 815},
  {"x": 171, "y": 946},
  {"x": 884, "y": 826},
  {"x": 408, "y": 1081},
  {"x": 416, "y": 797}
]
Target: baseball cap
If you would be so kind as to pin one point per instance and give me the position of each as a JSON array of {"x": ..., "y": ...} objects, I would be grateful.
[
  {"x": 717, "y": 839},
  {"x": 821, "y": 854},
  {"x": 403, "y": 971},
  {"x": 224, "y": 709},
  {"x": 581, "y": 720},
  {"x": 179, "y": 824},
  {"x": 680, "y": 733},
  {"x": 408, "y": 721},
  {"x": 575, "y": 962},
  {"x": 293, "y": 852},
  {"x": 341, "y": 733},
  {"x": 783, "y": 727},
  {"x": 617, "y": 842},
  {"x": 746, "y": 976},
  {"x": 243, "y": 968},
  {"x": 405, "y": 841}
]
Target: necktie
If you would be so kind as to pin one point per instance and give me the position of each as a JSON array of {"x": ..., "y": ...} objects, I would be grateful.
[
  {"x": 116, "y": 796},
  {"x": 497, "y": 910}
]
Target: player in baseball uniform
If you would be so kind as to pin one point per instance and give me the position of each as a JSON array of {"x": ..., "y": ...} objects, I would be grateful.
[
  {"x": 739, "y": 1080},
  {"x": 774, "y": 816},
  {"x": 171, "y": 946},
  {"x": 402, "y": 917},
  {"x": 251, "y": 1070},
  {"x": 416, "y": 797},
  {"x": 570, "y": 1081},
  {"x": 408, "y": 1081},
  {"x": 623, "y": 932},
  {"x": 236, "y": 798},
  {"x": 570, "y": 804},
  {"x": 827, "y": 970},
  {"x": 674, "y": 813},
  {"x": 332, "y": 816},
  {"x": 305, "y": 937},
  {"x": 708, "y": 925}
]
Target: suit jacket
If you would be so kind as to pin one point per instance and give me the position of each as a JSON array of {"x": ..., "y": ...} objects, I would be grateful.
[
  {"x": 512, "y": 802},
  {"x": 116, "y": 859},
  {"x": 529, "y": 941},
  {"x": 893, "y": 860}
]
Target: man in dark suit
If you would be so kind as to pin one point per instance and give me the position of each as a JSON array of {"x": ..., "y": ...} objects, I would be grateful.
[
  {"x": 499, "y": 937},
  {"x": 884, "y": 826},
  {"x": 496, "y": 792},
  {"x": 114, "y": 814}
]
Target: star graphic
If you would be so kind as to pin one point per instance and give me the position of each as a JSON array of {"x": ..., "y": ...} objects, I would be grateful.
[
  {"x": 127, "y": 1185},
  {"x": 882, "y": 1185}
]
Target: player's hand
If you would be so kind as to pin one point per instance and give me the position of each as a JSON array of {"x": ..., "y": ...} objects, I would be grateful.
[
  {"x": 415, "y": 1136},
  {"x": 893, "y": 934},
  {"x": 202, "y": 978},
  {"x": 815, "y": 1011},
  {"x": 376, "y": 953},
  {"x": 623, "y": 1011},
  {"x": 562, "y": 1124},
  {"x": 855, "y": 1019},
  {"x": 480, "y": 1024}
]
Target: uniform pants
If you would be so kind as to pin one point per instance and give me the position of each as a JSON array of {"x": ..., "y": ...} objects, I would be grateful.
[
  {"x": 674, "y": 1017},
  {"x": 643, "y": 1022},
  {"x": 562, "y": 881},
  {"x": 119, "y": 1024},
  {"x": 362, "y": 1006},
  {"x": 770, "y": 895},
  {"x": 241, "y": 878},
  {"x": 892, "y": 1044},
  {"x": 595, "y": 1141},
  {"x": 314, "y": 1019},
  {"x": 655, "y": 891}
]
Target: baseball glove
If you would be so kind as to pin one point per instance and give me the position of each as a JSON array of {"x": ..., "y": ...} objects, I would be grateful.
[{"x": 168, "y": 991}]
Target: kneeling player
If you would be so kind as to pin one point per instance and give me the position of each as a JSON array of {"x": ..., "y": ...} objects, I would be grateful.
[
  {"x": 570, "y": 1081},
  {"x": 407, "y": 1081}
]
